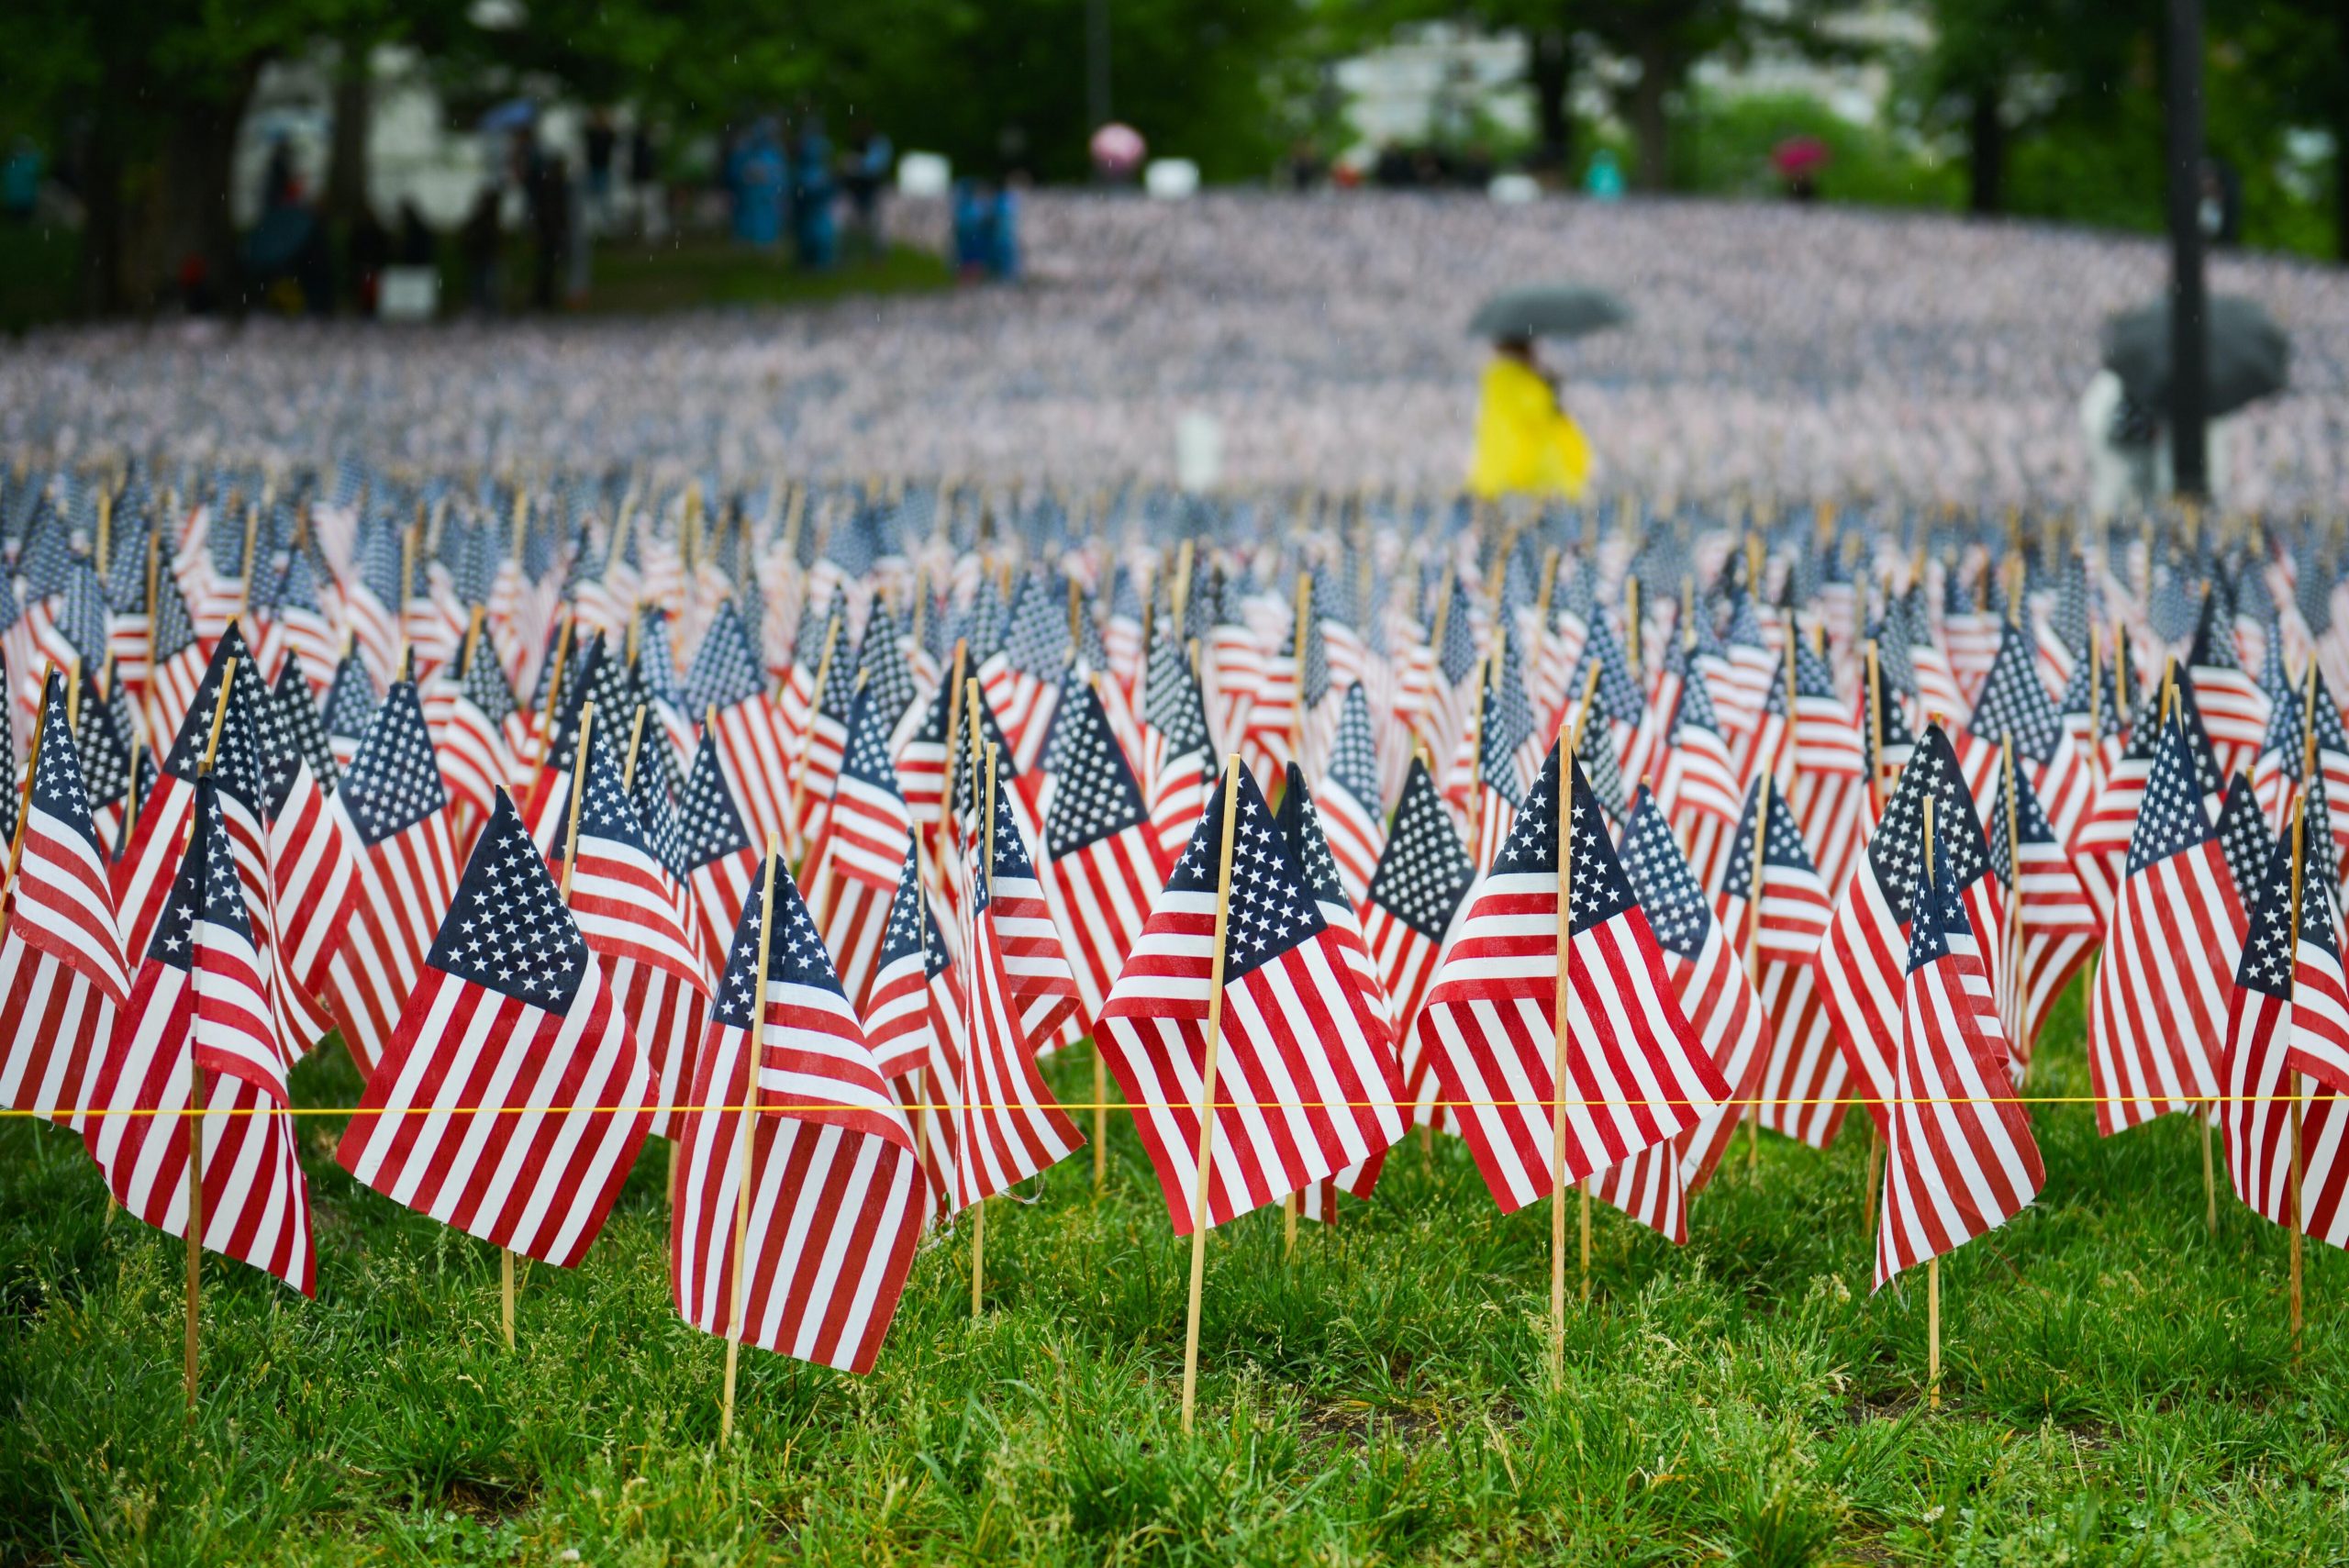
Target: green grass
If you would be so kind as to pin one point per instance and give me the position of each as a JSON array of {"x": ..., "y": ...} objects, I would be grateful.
[
  {"x": 640, "y": 279},
  {"x": 2118, "y": 1385}
]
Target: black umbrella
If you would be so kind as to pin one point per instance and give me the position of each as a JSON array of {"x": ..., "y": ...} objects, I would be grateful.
[
  {"x": 2249, "y": 354},
  {"x": 1562, "y": 310}
]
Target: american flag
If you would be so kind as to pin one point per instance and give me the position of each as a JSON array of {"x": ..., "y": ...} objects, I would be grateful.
[
  {"x": 1302, "y": 1090},
  {"x": 1447, "y": 706},
  {"x": 1104, "y": 867},
  {"x": 1008, "y": 1126},
  {"x": 309, "y": 862},
  {"x": 2158, "y": 1009},
  {"x": 297, "y": 715},
  {"x": 1042, "y": 982},
  {"x": 511, "y": 1100},
  {"x": 2233, "y": 708},
  {"x": 177, "y": 662},
  {"x": 1708, "y": 972},
  {"x": 391, "y": 810},
  {"x": 300, "y": 615},
  {"x": 1863, "y": 958},
  {"x": 371, "y": 597},
  {"x": 1301, "y": 830},
  {"x": 1960, "y": 1159},
  {"x": 473, "y": 741},
  {"x": 1823, "y": 766},
  {"x": 1176, "y": 765},
  {"x": 2014, "y": 707},
  {"x": 1804, "y": 1076},
  {"x": 1231, "y": 674},
  {"x": 745, "y": 729},
  {"x": 1020, "y": 677},
  {"x": 62, "y": 971},
  {"x": 199, "y": 1004},
  {"x": 349, "y": 706},
  {"x": 1697, "y": 791},
  {"x": 2054, "y": 925},
  {"x": 922, "y": 754},
  {"x": 853, "y": 864},
  {"x": 108, "y": 731},
  {"x": 1415, "y": 896},
  {"x": 1637, "y": 1073},
  {"x": 2287, "y": 1015},
  {"x": 631, "y": 910},
  {"x": 2244, "y": 837},
  {"x": 826, "y": 742},
  {"x": 824, "y": 1180},
  {"x": 1350, "y": 801},
  {"x": 916, "y": 1022},
  {"x": 721, "y": 863}
]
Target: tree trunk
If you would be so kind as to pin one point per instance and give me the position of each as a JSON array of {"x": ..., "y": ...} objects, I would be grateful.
[
  {"x": 1552, "y": 73},
  {"x": 1986, "y": 155},
  {"x": 346, "y": 193},
  {"x": 1650, "y": 122},
  {"x": 102, "y": 224}
]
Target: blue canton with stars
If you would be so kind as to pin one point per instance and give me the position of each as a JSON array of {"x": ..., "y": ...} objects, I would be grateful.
[
  {"x": 656, "y": 809},
  {"x": 237, "y": 763},
  {"x": 508, "y": 928},
  {"x": 2243, "y": 839},
  {"x": 1096, "y": 796},
  {"x": 2030, "y": 822},
  {"x": 605, "y": 810},
  {"x": 349, "y": 700},
  {"x": 483, "y": 682},
  {"x": 1896, "y": 850},
  {"x": 797, "y": 956},
  {"x": 1424, "y": 872},
  {"x": 881, "y": 662},
  {"x": 207, "y": 883},
  {"x": 1599, "y": 889},
  {"x": 1940, "y": 916},
  {"x": 2171, "y": 821},
  {"x": 1011, "y": 858},
  {"x": 1660, "y": 877},
  {"x": 2267, "y": 956},
  {"x": 867, "y": 756},
  {"x": 2013, "y": 702},
  {"x": 1300, "y": 826},
  {"x": 1171, "y": 700},
  {"x": 912, "y": 928},
  {"x": 57, "y": 789},
  {"x": 710, "y": 823},
  {"x": 1354, "y": 751},
  {"x": 1782, "y": 842},
  {"x": 725, "y": 669},
  {"x": 394, "y": 782},
  {"x": 299, "y": 717},
  {"x": 1273, "y": 909}
]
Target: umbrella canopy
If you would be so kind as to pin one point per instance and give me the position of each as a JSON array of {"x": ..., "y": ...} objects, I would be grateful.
[
  {"x": 1800, "y": 155},
  {"x": 2249, "y": 355},
  {"x": 1562, "y": 310}
]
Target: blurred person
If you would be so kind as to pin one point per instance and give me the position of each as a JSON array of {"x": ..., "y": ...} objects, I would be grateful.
[
  {"x": 602, "y": 146},
  {"x": 482, "y": 239},
  {"x": 1003, "y": 236},
  {"x": 866, "y": 177},
  {"x": 366, "y": 252},
  {"x": 971, "y": 216},
  {"x": 644, "y": 181},
  {"x": 547, "y": 188},
  {"x": 2128, "y": 456},
  {"x": 20, "y": 181},
  {"x": 815, "y": 232},
  {"x": 1603, "y": 179},
  {"x": 757, "y": 174},
  {"x": 1526, "y": 442}
]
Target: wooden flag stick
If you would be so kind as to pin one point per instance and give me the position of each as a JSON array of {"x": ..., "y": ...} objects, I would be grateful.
[
  {"x": 1753, "y": 946},
  {"x": 554, "y": 688},
  {"x": 1932, "y": 1263},
  {"x": 1100, "y": 1090},
  {"x": 2292, "y": 1077},
  {"x": 1206, "y": 1094},
  {"x": 953, "y": 737},
  {"x": 986, "y": 871},
  {"x": 749, "y": 1112},
  {"x": 195, "y": 1088},
  {"x": 1569, "y": 739},
  {"x": 25, "y": 790},
  {"x": 1876, "y": 734},
  {"x": 1632, "y": 627},
  {"x": 635, "y": 743},
  {"x": 2021, "y": 1028}
]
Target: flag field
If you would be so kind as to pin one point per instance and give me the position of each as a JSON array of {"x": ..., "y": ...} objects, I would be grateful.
[{"x": 2117, "y": 1386}]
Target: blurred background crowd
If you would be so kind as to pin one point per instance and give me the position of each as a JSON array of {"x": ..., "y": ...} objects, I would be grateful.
[{"x": 541, "y": 154}]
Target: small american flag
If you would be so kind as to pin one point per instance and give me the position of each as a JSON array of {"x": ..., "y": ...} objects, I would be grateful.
[
  {"x": 1103, "y": 868},
  {"x": 747, "y": 731},
  {"x": 2233, "y": 708},
  {"x": 1960, "y": 1159},
  {"x": 63, "y": 974},
  {"x": 200, "y": 1001},
  {"x": 720, "y": 862},
  {"x": 631, "y": 910},
  {"x": 1638, "y": 1074},
  {"x": 511, "y": 1099},
  {"x": 2157, "y": 1010},
  {"x": 1416, "y": 895},
  {"x": 2056, "y": 924},
  {"x": 1349, "y": 798},
  {"x": 836, "y": 1195},
  {"x": 1177, "y": 768},
  {"x": 853, "y": 867},
  {"x": 1302, "y": 1090},
  {"x": 392, "y": 812},
  {"x": 1804, "y": 1076}
]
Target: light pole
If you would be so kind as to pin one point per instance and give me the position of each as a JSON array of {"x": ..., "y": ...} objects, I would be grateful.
[{"x": 2189, "y": 308}]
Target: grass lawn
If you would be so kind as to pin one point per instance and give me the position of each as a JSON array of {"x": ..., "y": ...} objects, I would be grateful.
[
  {"x": 2118, "y": 1385},
  {"x": 635, "y": 278}
]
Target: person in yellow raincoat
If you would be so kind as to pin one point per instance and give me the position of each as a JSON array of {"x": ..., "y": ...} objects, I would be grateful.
[{"x": 1526, "y": 444}]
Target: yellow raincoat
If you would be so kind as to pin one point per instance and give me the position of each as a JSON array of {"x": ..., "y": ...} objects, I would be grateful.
[{"x": 1525, "y": 443}]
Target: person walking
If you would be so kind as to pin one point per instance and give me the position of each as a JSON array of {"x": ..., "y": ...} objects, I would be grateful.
[{"x": 1526, "y": 442}]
